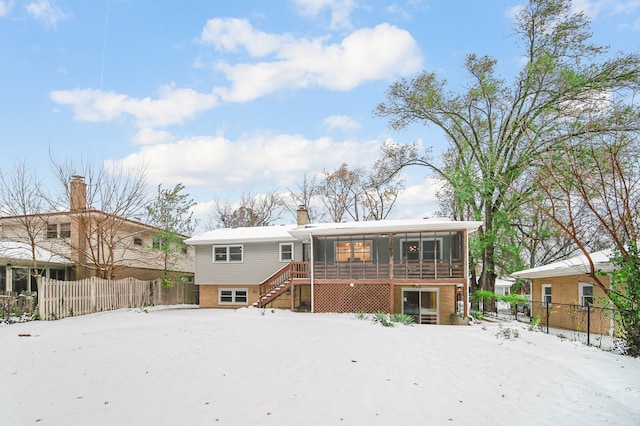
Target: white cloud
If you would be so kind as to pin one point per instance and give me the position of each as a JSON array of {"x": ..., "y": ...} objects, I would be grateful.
[
  {"x": 396, "y": 9},
  {"x": 229, "y": 34},
  {"x": 47, "y": 12},
  {"x": 341, "y": 122},
  {"x": 367, "y": 54},
  {"x": 588, "y": 7},
  {"x": 172, "y": 105},
  {"x": 418, "y": 199},
  {"x": 149, "y": 136},
  {"x": 5, "y": 7},
  {"x": 594, "y": 103},
  {"x": 593, "y": 8},
  {"x": 383, "y": 52},
  {"x": 252, "y": 161},
  {"x": 340, "y": 10}
]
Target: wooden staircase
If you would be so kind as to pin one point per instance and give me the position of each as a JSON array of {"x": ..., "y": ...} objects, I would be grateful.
[
  {"x": 270, "y": 296},
  {"x": 281, "y": 281}
]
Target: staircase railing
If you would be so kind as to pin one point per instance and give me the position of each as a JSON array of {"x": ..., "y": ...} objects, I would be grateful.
[
  {"x": 280, "y": 281},
  {"x": 280, "y": 276}
]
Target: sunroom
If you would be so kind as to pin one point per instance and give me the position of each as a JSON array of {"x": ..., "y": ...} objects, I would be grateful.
[{"x": 428, "y": 255}]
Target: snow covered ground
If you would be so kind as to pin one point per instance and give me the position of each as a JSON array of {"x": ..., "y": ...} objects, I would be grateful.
[{"x": 255, "y": 367}]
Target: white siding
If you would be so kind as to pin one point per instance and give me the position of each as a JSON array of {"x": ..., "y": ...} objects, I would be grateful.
[{"x": 260, "y": 261}]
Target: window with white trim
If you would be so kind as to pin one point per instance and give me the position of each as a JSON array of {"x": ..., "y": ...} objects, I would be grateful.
[
  {"x": 227, "y": 253},
  {"x": 65, "y": 230},
  {"x": 546, "y": 294},
  {"x": 52, "y": 230},
  {"x": 233, "y": 296},
  {"x": 585, "y": 294},
  {"x": 286, "y": 252}
]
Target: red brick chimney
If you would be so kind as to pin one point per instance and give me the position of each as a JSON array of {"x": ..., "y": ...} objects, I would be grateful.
[{"x": 78, "y": 194}]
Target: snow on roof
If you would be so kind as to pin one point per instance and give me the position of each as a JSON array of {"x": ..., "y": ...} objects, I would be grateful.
[
  {"x": 244, "y": 235},
  {"x": 378, "y": 226},
  {"x": 505, "y": 282},
  {"x": 12, "y": 250},
  {"x": 576, "y": 265},
  {"x": 293, "y": 232}
]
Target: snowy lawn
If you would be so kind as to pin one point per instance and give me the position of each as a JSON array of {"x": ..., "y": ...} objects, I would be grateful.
[{"x": 254, "y": 367}]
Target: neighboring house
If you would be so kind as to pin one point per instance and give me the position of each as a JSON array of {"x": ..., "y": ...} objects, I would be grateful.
[
  {"x": 17, "y": 261},
  {"x": 568, "y": 294},
  {"x": 95, "y": 242},
  {"x": 416, "y": 267},
  {"x": 503, "y": 286}
]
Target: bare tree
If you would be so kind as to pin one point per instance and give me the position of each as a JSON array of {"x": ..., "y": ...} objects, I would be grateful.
[
  {"x": 380, "y": 190},
  {"x": 103, "y": 206},
  {"x": 357, "y": 194},
  {"x": 250, "y": 211},
  {"x": 340, "y": 193},
  {"x": 305, "y": 194},
  {"x": 599, "y": 178},
  {"x": 23, "y": 205}
]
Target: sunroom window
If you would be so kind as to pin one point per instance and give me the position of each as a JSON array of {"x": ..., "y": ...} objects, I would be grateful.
[{"x": 353, "y": 251}]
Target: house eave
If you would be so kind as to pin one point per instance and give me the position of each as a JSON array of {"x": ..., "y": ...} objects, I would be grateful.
[{"x": 384, "y": 227}]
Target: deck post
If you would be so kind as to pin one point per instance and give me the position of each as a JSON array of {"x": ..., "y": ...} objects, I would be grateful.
[
  {"x": 391, "y": 285},
  {"x": 292, "y": 292}
]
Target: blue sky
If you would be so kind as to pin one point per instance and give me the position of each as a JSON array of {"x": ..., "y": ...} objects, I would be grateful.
[{"x": 229, "y": 97}]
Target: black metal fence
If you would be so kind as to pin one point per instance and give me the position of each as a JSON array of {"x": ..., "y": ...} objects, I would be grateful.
[{"x": 593, "y": 326}]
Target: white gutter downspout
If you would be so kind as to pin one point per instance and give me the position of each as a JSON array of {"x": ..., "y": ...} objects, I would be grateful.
[
  {"x": 311, "y": 262},
  {"x": 465, "y": 290}
]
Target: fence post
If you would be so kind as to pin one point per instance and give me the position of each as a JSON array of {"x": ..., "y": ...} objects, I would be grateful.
[
  {"x": 588, "y": 324},
  {"x": 548, "y": 318},
  {"x": 94, "y": 296},
  {"x": 41, "y": 297}
]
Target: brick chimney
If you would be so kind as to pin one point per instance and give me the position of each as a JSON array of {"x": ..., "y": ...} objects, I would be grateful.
[
  {"x": 302, "y": 215},
  {"x": 78, "y": 194}
]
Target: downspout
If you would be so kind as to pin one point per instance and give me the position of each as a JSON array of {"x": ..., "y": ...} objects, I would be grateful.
[
  {"x": 465, "y": 289},
  {"x": 311, "y": 262},
  {"x": 391, "y": 276}
]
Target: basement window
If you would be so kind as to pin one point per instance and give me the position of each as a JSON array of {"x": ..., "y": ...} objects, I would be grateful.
[{"x": 233, "y": 296}]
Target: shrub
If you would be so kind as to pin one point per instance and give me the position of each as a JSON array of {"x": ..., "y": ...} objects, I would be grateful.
[
  {"x": 507, "y": 333},
  {"x": 361, "y": 315},
  {"x": 403, "y": 319},
  {"x": 534, "y": 325},
  {"x": 383, "y": 319}
]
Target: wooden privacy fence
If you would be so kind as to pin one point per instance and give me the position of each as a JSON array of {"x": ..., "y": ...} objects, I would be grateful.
[{"x": 60, "y": 299}]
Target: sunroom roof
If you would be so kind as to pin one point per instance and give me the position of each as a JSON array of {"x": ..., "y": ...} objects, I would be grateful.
[
  {"x": 293, "y": 232},
  {"x": 385, "y": 226}
]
